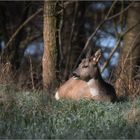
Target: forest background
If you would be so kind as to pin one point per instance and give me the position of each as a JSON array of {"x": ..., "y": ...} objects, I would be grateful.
[{"x": 42, "y": 42}]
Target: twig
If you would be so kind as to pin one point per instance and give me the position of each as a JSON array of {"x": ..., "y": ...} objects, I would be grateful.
[
  {"x": 31, "y": 72},
  {"x": 117, "y": 45},
  {"x": 93, "y": 34},
  {"x": 21, "y": 26},
  {"x": 33, "y": 38},
  {"x": 110, "y": 9},
  {"x": 111, "y": 54},
  {"x": 131, "y": 48},
  {"x": 61, "y": 24},
  {"x": 122, "y": 11},
  {"x": 98, "y": 27},
  {"x": 71, "y": 37},
  {"x": 87, "y": 43},
  {"x": 131, "y": 28}
]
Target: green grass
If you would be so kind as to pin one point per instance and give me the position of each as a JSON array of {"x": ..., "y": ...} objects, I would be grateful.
[{"x": 33, "y": 115}]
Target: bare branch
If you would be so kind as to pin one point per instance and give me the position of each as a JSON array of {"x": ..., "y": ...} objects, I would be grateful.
[
  {"x": 117, "y": 45},
  {"x": 111, "y": 54},
  {"x": 131, "y": 48},
  {"x": 110, "y": 10},
  {"x": 61, "y": 25},
  {"x": 93, "y": 34},
  {"x": 99, "y": 26},
  {"x": 60, "y": 38},
  {"x": 71, "y": 37},
  {"x": 21, "y": 26},
  {"x": 33, "y": 38},
  {"x": 122, "y": 11}
]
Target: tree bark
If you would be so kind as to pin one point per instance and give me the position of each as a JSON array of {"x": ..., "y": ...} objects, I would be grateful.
[
  {"x": 50, "y": 46},
  {"x": 130, "y": 55}
]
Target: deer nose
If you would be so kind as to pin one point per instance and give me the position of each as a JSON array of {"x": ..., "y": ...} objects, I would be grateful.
[{"x": 75, "y": 74}]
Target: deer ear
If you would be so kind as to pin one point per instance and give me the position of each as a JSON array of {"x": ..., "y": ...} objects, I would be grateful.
[{"x": 97, "y": 55}]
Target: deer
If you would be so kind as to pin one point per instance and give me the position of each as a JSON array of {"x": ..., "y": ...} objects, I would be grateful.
[{"x": 87, "y": 83}]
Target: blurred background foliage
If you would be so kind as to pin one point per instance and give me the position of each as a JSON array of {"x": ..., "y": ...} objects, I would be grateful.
[{"x": 21, "y": 38}]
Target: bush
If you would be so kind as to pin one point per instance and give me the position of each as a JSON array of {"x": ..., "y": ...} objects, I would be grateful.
[{"x": 33, "y": 115}]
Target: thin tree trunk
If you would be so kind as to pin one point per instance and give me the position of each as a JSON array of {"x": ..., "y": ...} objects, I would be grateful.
[
  {"x": 71, "y": 42},
  {"x": 50, "y": 46}
]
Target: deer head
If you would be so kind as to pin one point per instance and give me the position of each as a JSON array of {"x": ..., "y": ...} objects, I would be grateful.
[
  {"x": 88, "y": 68},
  {"x": 87, "y": 83}
]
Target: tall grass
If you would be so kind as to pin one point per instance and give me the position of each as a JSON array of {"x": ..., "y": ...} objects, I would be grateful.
[{"x": 33, "y": 115}]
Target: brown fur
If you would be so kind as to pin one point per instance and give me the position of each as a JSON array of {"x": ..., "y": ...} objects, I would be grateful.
[
  {"x": 87, "y": 83},
  {"x": 74, "y": 89}
]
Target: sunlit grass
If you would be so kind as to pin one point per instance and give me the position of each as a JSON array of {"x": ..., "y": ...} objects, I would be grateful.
[{"x": 34, "y": 115}]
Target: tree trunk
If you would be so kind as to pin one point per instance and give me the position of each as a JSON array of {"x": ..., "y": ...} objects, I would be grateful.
[
  {"x": 50, "y": 47},
  {"x": 130, "y": 55}
]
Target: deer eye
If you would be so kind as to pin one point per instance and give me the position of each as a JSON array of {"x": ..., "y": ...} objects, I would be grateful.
[{"x": 85, "y": 66}]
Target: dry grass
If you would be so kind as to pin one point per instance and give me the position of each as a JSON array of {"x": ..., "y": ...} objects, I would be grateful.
[
  {"x": 6, "y": 74},
  {"x": 133, "y": 115},
  {"x": 126, "y": 85},
  {"x": 27, "y": 77}
]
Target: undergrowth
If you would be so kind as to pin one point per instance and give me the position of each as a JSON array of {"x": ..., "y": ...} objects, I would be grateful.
[{"x": 33, "y": 115}]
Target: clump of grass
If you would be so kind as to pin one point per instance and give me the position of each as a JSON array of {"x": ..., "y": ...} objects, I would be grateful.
[
  {"x": 86, "y": 119},
  {"x": 34, "y": 115}
]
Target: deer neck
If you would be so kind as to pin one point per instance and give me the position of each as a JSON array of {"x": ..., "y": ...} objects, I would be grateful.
[
  {"x": 96, "y": 81},
  {"x": 94, "y": 85}
]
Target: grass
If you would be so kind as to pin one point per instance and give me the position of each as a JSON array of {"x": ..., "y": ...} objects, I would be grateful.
[{"x": 33, "y": 115}]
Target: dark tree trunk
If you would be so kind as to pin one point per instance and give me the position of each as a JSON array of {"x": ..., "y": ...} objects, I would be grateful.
[{"x": 72, "y": 42}]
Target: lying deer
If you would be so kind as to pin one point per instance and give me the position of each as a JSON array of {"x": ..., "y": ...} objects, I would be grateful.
[{"x": 87, "y": 83}]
